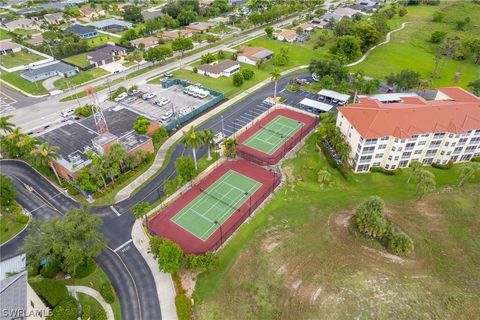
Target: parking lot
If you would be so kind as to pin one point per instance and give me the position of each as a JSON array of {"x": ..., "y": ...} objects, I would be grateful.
[
  {"x": 179, "y": 103},
  {"x": 294, "y": 98}
]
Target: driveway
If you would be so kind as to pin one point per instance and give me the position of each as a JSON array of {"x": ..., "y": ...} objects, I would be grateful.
[{"x": 114, "y": 67}]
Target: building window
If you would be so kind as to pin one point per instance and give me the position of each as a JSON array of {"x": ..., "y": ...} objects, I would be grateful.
[
  {"x": 386, "y": 138},
  {"x": 365, "y": 159},
  {"x": 422, "y": 143},
  {"x": 458, "y": 150},
  {"x": 363, "y": 167},
  {"x": 379, "y": 155},
  {"x": 410, "y": 146},
  {"x": 434, "y": 144},
  {"x": 466, "y": 157},
  {"x": 470, "y": 148},
  {"x": 382, "y": 146},
  {"x": 462, "y": 141},
  {"x": 394, "y": 149},
  {"x": 403, "y": 163},
  {"x": 376, "y": 164},
  {"x": 418, "y": 151},
  {"x": 431, "y": 152},
  {"x": 393, "y": 167},
  {"x": 439, "y": 135},
  {"x": 396, "y": 158},
  {"x": 428, "y": 161},
  {"x": 454, "y": 158},
  {"x": 406, "y": 155},
  {"x": 368, "y": 150}
]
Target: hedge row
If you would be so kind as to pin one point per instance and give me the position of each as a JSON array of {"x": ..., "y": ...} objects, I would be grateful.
[
  {"x": 184, "y": 307},
  {"x": 52, "y": 291},
  {"x": 107, "y": 293},
  {"x": 476, "y": 159},
  {"x": 385, "y": 171},
  {"x": 447, "y": 166}
]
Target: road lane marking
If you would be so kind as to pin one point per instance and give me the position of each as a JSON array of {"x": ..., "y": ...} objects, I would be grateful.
[
  {"x": 123, "y": 245},
  {"x": 115, "y": 210}
]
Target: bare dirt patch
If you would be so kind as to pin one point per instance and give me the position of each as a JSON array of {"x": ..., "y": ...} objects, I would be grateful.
[
  {"x": 391, "y": 257},
  {"x": 189, "y": 278}
]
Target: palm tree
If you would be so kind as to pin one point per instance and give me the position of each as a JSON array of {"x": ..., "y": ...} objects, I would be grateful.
[
  {"x": 98, "y": 169},
  {"x": 26, "y": 144},
  {"x": 5, "y": 125},
  {"x": 207, "y": 138},
  {"x": 230, "y": 147},
  {"x": 467, "y": 171},
  {"x": 415, "y": 165},
  {"x": 46, "y": 154},
  {"x": 140, "y": 210},
  {"x": 425, "y": 182},
  {"x": 275, "y": 76},
  {"x": 11, "y": 143},
  {"x": 193, "y": 139},
  {"x": 117, "y": 153}
]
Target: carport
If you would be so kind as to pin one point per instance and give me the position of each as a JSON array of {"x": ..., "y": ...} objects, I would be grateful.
[
  {"x": 317, "y": 105},
  {"x": 335, "y": 97}
]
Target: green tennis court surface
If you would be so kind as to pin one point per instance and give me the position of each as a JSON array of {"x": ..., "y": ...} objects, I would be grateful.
[
  {"x": 216, "y": 204},
  {"x": 272, "y": 136}
]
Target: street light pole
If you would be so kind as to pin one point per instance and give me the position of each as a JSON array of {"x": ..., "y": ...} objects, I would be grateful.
[{"x": 223, "y": 129}]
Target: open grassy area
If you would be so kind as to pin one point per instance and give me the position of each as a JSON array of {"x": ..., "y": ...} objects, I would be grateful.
[
  {"x": 19, "y": 59},
  {"x": 410, "y": 48},
  {"x": 94, "y": 280},
  {"x": 16, "y": 80},
  {"x": 78, "y": 60},
  {"x": 9, "y": 228},
  {"x": 300, "y": 258},
  {"x": 79, "y": 78},
  {"x": 4, "y": 34},
  {"x": 27, "y": 32},
  {"x": 85, "y": 300},
  {"x": 101, "y": 39}
]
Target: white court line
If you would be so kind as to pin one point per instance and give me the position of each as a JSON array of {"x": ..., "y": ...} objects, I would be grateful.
[{"x": 122, "y": 245}]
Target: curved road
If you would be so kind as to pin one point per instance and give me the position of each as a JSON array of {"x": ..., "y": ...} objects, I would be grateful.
[{"x": 121, "y": 261}]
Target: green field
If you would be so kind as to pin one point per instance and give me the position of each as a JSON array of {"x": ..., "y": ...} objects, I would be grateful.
[
  {"x": 271, "y": 137},
  {"x": 16, "y": 80},
  {"x": 4, "y": 35},
  {"x": 101, "y": 39},
  {"x": 212, "y": 207},
  {"x": 410, "y": 48},
  {"x": 78, "y": 60},
  {"x": 79, "y": 78},
  {"x": 301, "y": 258},
  {"x": 19, "y": 59}
]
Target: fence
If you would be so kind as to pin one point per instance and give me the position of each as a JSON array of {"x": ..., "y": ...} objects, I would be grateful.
[{"x": 179, "y": 121}]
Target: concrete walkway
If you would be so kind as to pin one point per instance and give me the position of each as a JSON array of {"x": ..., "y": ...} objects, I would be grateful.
[
  {"x": 97, "y": 296},
  {"x": 162, "y": 151},
  {"x": 163, "y": 281}
]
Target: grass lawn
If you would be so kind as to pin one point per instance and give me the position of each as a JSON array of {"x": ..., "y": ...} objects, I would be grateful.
[
  {"x": 16, "y": 80},
  {"x": 79, "y": 60},
  {"x": 19, "y": 59},
  {"x": 79, "y": 78},
  {"x": 101, "y": 39},
  {"x": 300, "y": 258},
  {"x": 94, "y": 280},
  {"x": 27, "y": 32},
  {"x": 85, "y": 299},
  {"x": 9, "y": 228},
  {"x": 4, "y": 34},
  {"x": 410, "y": 49},
  {"x": 128, "y": 64},
  {"x": 222, "y": 29}
]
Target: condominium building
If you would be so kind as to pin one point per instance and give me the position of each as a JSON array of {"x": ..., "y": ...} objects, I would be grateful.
[{"x": 391, "y": 135}]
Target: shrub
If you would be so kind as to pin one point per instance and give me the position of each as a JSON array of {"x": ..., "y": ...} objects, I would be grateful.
[
  {"x": 402, "y": 11},
  {"x": 159, "y": 135},
  {"x": 195, "y": 70},
  {"x": 51, "y": 268},
  {"x": 67, "y": 309},
  {"x": 21, "y": 218},
  {"x": 400, "y": 244},
  {"x": 385, "y": 171},
  {"x": 118, "y": 92},
  {"x": 208, "y": 261},
  {"x": 437, "y": 36},
  {"x": 475, "y": 159},
  {"x": 99, "y": 314},
  {"x": 72, "y": 190},
  {"x": 292, "y": 88},
  {"x": 141, "y": 125},
  {"x": 85, "y": 268},
  {"x": 85, "y": 111},
  {"x": 184, "y": 307},
  {"x": 247, "y": 74},
  {"x": 107, "y": 293},
  {"x": 86, "y": 312},
  {"x": 237, "y": 79},
  {"x": 370, "y": 223},
  {"x": 447, "y": 166},
  {"x": 52, "y": 291}
]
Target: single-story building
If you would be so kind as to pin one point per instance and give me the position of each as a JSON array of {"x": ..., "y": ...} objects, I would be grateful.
[
  {"x": 81, "y": 31},
  {"x": 341, "y": 13},
  {"x": 112, "y": 25},
  {"x": 48, "y": 70},
  {"x": 148, "y": 42},
  {"x": 175, "y": 34},
  {"x": 54, "y": 18},
  {"x": 219, "y": 20},
  {"x": 21, "y": 23},
  {"x": 151, "y": 14},
  {"x": 287, "y": 35},
  {"x": 225, "y": 68},
  {"x": 320, "y": 23},
  {"x": 92, "y": 13},
  {"x": 366, "y": 6},
  {"x": 7, "y": 47},
  {"x": 200, "y": 27},
  {"x": 105, "y": 55},
  {"x": 251, "y": 55},
  {"x": 306, "y": 27},
  {"x": 35, "y": 40}
]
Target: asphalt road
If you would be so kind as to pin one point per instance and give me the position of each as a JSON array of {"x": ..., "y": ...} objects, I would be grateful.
[{"x": 124, "y": 265}]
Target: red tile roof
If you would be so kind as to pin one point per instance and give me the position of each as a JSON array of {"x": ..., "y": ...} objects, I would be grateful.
[{"x": 415, "y": 115}]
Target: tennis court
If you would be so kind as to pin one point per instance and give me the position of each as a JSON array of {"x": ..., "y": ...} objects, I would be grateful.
[
  {"x": 273, "y": 135},
  {"x": 213, "y": 206}
]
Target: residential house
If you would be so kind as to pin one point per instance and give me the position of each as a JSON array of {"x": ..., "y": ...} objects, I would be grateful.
[
  {"x": 152, "y": 14},
  {"x": 366, "y": 6},
  {"x": 105, "y": 55},
  {"x": 35, "y": 40},
  {"x": 200, "y": 27},
  {"x": 219, "y": 20},
  {"x": 320, "y": 23},
  {"x": 175, "y": 34},
  {"x": 81, "y": 31},
  {"x": 251, "y": 55},
  {"x": 54, "y": 18},
  {"x": 392, "y": 135},
  {"x": 341, "y": 13},
  {"x": 92, "y": 13},
  {"x": 21, "y": 23},
  {"x": 7, "y": 47},
  {"x": 307, "y": 27},
  {"x": 112, "y": 25},
  {"x": 16, "y": 295},
  {"x": 48, "y": 70},
  {"x": 287, "y": 35},
  {"x": 225, "y": 68},
  {"x": 148, "y": 42}
]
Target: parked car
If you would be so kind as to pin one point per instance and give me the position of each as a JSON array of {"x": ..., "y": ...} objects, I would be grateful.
[
  {"x": 162, "y": 101},
  {"x": 68, "y": 112},
  {"x": 148, "y": 95},
  {"x": 168, "y": 74},
  {"x": 134, "y": 92},
  {"x": 163, "y": 79},
  {"x": 130, "y": 100},
  {"x": 218, "y": 138},
  {"x": 315, "y": 77},
  {"x": 302, "y": 82},
  {"x": 121, "y": 96},
  {"x": 167, "y": 116}
]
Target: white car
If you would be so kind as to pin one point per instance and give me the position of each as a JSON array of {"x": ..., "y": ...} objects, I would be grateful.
[
  {"x": 163, "y": 101},
  {"x": 67, "y": 113},
  {"x": 167, "y": 116},
  {"x": 121, "y": 96},
  {"x": 148, "y": 95},
  {"x": 218, "y": 138},
  {"x": 315, "y": 77}
]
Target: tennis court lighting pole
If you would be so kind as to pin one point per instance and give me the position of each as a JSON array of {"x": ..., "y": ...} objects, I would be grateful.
[
  {"x": 221, "y": 235},
  {"x": 223, "y": 129}
]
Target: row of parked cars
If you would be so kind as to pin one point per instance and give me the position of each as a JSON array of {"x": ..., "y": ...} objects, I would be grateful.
[{"x": 196, "y": 91}]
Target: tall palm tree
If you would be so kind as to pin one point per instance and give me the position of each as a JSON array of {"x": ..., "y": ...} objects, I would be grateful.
[
  {"x": 117, "y": 153},
  {"x": 26, "y": 144},
  {"x": 46, "y": 154},
  {"x": 11, "y": 143},
  {"x": 230, "y": 147},
  {"x": 275, "y": 76},
  {"x": 207, "y": 138},
  {"x": 193, "y": 139},
  {"x": 5, "y": 125},
  {"x": 415, "y": 165}
]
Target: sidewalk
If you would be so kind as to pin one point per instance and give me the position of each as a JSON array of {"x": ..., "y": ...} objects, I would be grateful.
[
  {"x": 97, "y": 296},
  {"x": 163, "y": 281},
  {"x": 162, "y": 152}
]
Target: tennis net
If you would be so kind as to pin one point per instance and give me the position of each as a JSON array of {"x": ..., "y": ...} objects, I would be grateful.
[
  {"x": 217, "y": 198},
  {"x": 273, "y": 131}
]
